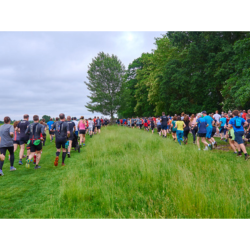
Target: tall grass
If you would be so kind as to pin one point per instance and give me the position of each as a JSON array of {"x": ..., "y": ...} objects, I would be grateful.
[{"x": 129, "y": 173}]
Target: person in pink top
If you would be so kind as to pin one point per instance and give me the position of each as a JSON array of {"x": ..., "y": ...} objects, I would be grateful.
[
  {"x": 194, "y": 128},
  {"x": 82, "y": 129}
]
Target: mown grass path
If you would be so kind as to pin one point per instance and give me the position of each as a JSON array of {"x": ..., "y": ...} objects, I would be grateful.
[{"x": 129, "y": 173}]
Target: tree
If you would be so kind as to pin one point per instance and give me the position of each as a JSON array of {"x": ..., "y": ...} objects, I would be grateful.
[
  {"x": 105, "y": 75},
  {"x": 46, "y": 117}
]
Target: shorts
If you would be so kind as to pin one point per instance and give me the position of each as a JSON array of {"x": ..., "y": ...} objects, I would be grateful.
[
  {"x": 238, "y": 136},
  {"x": 82, "y": 132},
  {"x": 23, "y": 140},
  {"x": 71, "y": 136},
  {"x": 201, "y": 134},
  {"x": 51, "y": 132},
  {"x": 60, "y": 142},
  {"x": 98, "y": 127},
  {"x": 209, "y": 132},
  {"x": 158, "y": 128},
  {"x": 34, "y": 148},
  {"x": 16, "y": 142},
  {"x": 164, "y": 127},
  {"x": 140, "y": 125},
  {"x": 222, "y": 129},
  {"x": 133, "y": 125},
  {"x": 90, "y": 128},
  {"x": 152, "y": 127}
]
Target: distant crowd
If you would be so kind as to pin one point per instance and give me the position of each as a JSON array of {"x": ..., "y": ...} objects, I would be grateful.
[
  {"x": 232, "y": 127},
  {"x": 68, "y": 132}
]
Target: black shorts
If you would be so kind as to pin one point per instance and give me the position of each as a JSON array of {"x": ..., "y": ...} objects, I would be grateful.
[
  {"x": 98, "y": 127},
  {"x": 71, "y": 136},
  {"x": 202, "y": 134},
  {"x": 23, "y": 140},
  {"x": 133, "y": 125},
  {"x": 60, "y": 142},
  {"x": 34, "y": 148},
  {"x": 159, "y": 128},
  {"x": 82, "y": 132},
  {"x": 152, "y": 127},
  {"x": 51, "y": 132},
  {"x": 16, "y": 142}
]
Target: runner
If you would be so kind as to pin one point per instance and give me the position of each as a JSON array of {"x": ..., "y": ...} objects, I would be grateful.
[
  {"x": 209, "y": 128},
  {"x": 152, "y": 125},
  {"x": 174, "y": 129},
  {"x": 82, "y": 130},
  {"x": 231, "y": 138},
  {"x": 44, "y": 132},
  {"x": 22, "y": 126},
  {"x": 238, "y": 125},
  {"x": 76, "y": 126},
  {"x": 158, "y": 124},
  {"x": 91, "y": 125},
  {"x": 95, "y": 129},
  {"x": 6, "y": 143},
  {"x": 217, "y": 117},
  {"x": 61, "y": 131},
  {"x": 164, "y": 124},
  {"x": 186, "y": 128},
  {"x": 202, "y": 131},
  {"x": 179, "y": 125},
  {"x": 35, "y": 132},
  {"x": 105, "y": 122},
  {"x": 194, "y": 128},
  {"x": 146, "y": 125},
  {"x": 16, "y": 139},
  {"x": 98, "y": 124},
  {"x": 222, "y": 124},
  {"x": 133, "y": 122},
  {"x": 72, "y": 129},
  {"x": 51, "y": 133}
]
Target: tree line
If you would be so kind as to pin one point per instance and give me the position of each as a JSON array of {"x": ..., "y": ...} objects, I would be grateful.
[{"x": 188, "y": 71}]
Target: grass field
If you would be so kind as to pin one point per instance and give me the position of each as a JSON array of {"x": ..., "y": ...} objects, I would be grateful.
[{"x": 129, "y": 173}]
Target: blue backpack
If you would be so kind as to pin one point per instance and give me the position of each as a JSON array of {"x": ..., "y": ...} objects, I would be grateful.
[{"x": 237, "y": 122}]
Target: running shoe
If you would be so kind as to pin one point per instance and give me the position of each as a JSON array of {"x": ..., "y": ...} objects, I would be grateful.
[
  {"x": 1, "y": 173},
  {"x": 20, "y": 162},
  {"x": 210, "y": 146},
  {"x": 205, "y": 149},
  {"x": 56, "y": 161},
  {"x": 68, "y": 155},
  {"x": 27, "y": 164},
  {"x": 199, "y": 149},
  {"x": 63, "y": 164},
  {"x": 247, "y": 157},
  {"x": 36, "y": 167},
  {"x": 12, "y": 169}
]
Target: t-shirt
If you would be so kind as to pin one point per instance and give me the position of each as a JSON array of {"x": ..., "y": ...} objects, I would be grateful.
[
  {"x": 223, "y": 121},
  {"x": 173, "y": 128},
  {"x": 16, "y": 136},
  {"x": 76, "y": 124},
  {"x": 217, "y": 117},
  {"x": 35, "y": 130},
  {"x": 164, "y": 121},
  {"x": 91, "y": 124},
  {"x": 180, "y": 125},
  {"x": 61, "y": 128},
  {"x": 98, "y": 122},
  {"x": 50, "y": 124},
  {"x": 202, "y": 125},
  {"x": 209, "y": 120},
  {"x": 71, "y": 126},
  {"x": 244, "y": 116},
  {"x": 6, "y": 139},
  {"x": 23, "y": 126},
  {"x": 232, "y": 122},
  {"x": 193, "y": 122}
]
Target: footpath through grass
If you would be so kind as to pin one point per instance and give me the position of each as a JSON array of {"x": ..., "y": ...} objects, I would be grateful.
[{"x": 129, "y": 173}]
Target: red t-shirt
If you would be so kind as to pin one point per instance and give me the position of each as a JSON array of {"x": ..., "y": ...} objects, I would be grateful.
[
  {"x": 145, "y": 124},
  {"x": 244, "y": 116}
]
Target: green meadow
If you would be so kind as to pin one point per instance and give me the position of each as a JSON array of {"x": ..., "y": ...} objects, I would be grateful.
[{"x": 129, "y": 173}]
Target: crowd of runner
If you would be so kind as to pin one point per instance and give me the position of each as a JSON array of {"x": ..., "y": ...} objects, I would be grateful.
[
  {"x": 232, "y": 127},
  {"x": 32, "y": 137}
]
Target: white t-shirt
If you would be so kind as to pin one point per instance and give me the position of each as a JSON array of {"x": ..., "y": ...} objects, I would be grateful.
[
  {"x": 217, "y": 117},
  {"x": 76, "y": 124}
]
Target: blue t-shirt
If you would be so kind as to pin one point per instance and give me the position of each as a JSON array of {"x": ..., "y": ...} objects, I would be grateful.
[
  {"x": 202, "y": 125},
  {"x": 209, "y": 121},
  {"x": 232, "y": 122},
  {"x": 50, "y": 124},
  {"x": 223, "y": 121}
]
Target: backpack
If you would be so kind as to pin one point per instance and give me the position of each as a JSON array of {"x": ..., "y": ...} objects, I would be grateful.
[{"x": 237, "y": 122}]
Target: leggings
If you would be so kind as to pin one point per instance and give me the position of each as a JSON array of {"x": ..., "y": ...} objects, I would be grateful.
[
  {"x": 194, "y": 131},
  {"x": 179, "y": 136},
  {"x": 11, "y": 151},
  {"x": 186, "y": 132}
]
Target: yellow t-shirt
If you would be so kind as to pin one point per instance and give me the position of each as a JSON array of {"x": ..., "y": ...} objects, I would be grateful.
[{"x": 180, "y": 125}]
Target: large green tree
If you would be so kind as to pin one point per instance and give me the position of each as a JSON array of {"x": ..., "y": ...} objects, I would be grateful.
[{"x": 105, "y": 75}]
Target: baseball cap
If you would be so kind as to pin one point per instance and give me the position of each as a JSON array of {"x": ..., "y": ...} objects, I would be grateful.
[{"x": 204, "y": 112}]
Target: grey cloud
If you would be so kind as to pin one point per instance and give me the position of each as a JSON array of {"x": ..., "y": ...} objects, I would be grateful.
[{"x": 43, "y": 72}]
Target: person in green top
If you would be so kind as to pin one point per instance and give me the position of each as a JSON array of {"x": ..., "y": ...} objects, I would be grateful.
[
  {"x": 173, "y": 128},
  {"x": 180, "y": 125}
]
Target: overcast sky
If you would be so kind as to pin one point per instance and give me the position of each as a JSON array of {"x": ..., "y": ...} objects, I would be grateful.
[{"x": 44, "y": 72}]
